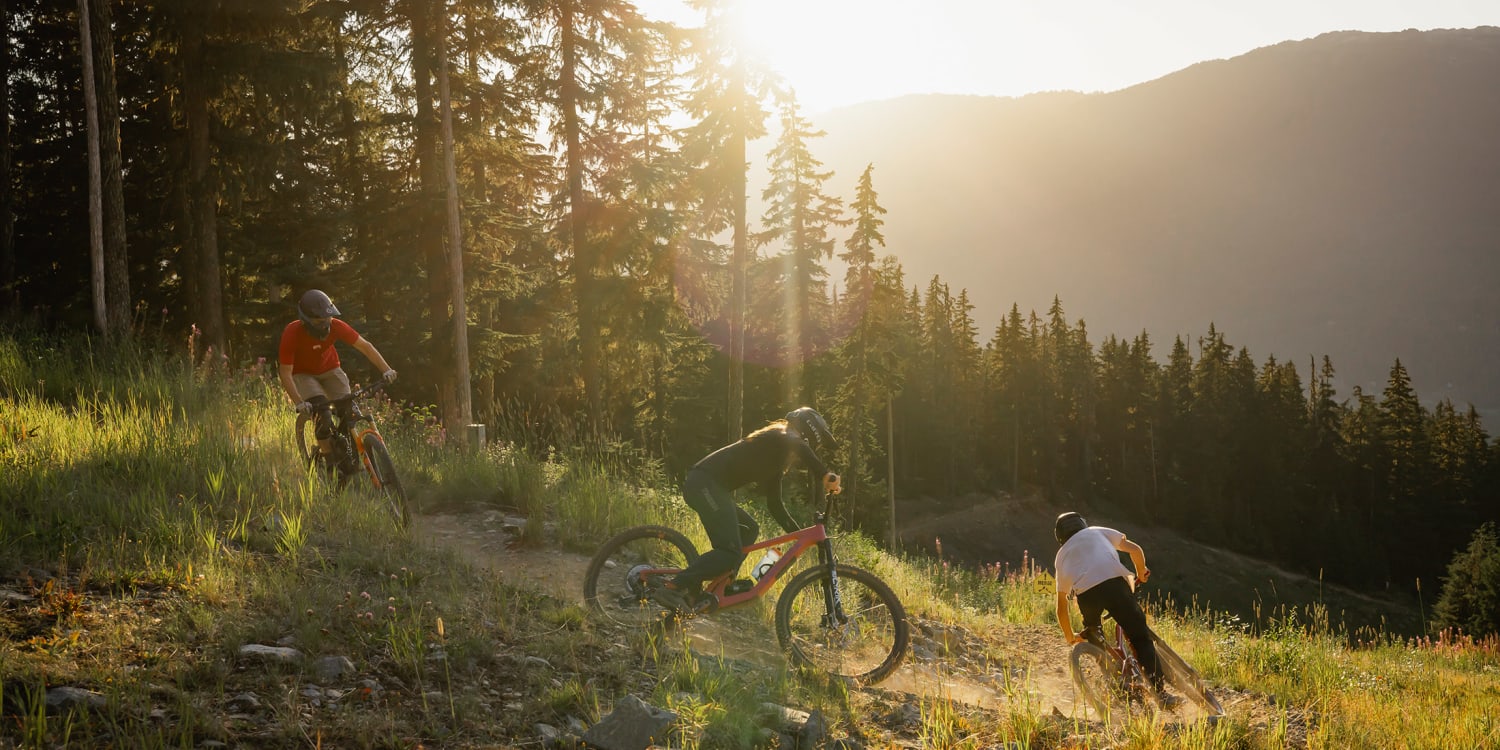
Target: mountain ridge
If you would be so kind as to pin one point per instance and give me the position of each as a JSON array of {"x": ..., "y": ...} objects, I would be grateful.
[{"x": 1331, "y": 196}]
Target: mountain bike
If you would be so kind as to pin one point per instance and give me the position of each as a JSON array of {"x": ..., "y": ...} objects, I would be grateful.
[
  {"x": 1109, "y": 676},
  {"x": 356, "y": 445},
  {"x": 832, "y": 617}
]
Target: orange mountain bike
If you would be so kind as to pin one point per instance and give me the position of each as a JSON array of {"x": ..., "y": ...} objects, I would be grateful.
[
  {"x": 356, "y": 445},
  {"x": 832, "y": 617}
]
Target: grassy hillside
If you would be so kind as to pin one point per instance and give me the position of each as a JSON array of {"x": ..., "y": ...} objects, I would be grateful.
[{"x": 154, "y": 521}]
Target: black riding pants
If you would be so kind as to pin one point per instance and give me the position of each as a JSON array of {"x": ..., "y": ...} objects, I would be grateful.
[
  {"x": 1115, "y": 597},
  {"x": 729, "y": 529}
]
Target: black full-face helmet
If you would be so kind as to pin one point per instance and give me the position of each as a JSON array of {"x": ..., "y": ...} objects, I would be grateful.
[
  {"x": 1067, "y": 525},
  {"x": 811, "y": 426},
  {"x": 316, "y": 305}
]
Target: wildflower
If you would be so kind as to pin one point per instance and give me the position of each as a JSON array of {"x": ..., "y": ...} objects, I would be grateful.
[{"x": 364, "y": 595}]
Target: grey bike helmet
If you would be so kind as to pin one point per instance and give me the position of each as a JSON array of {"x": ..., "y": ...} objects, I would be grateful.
[
  {"x": 315, "y": 304},
  {"x": 1067, "y": 525},
  {"x": 811, "y": 426}
]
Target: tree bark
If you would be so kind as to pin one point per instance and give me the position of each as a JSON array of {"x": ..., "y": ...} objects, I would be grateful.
[
  {"x": 584, "y": 261},
  {"x": 9, "y": 295},
  {"x": 431, "y": 198},
  {"x": 738, "y": 261},
  {"x": 203, "y": 188},
  {"x": 96, "y": 210},
  {"x": 462, "y": 395},
  {"x": 116, "y": 251}
]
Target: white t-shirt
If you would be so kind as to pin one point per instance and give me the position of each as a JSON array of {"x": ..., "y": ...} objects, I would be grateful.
[{"x": 1089, "y": 558}]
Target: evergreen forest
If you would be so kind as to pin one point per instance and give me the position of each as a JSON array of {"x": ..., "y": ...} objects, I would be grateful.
[{"x": 540, "y": 212}]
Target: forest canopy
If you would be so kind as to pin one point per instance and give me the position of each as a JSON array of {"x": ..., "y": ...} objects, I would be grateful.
[{"x": 538, "y": 211}]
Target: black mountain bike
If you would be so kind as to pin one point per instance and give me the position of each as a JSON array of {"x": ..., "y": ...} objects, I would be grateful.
[
  {"x": 1108, "y": 675},
  {"x": 357, "y": 446}
]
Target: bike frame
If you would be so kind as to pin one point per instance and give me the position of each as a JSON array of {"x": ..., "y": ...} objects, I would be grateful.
[
  {"x": 801, "y": 540},
  {"x": 348, "y": 428},
  {"x": 1132, "y": 674}
]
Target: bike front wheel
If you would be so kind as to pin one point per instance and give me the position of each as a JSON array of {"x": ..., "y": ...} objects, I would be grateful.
[
  {"x": 1185, "y": 678},
  {"x": 383, "y": 471},
  {"x": 307, "y": 442},
  {"x": 863, "y": 637},
  {"x": 616, "y": 582},
  {"x": 1096, "y": 677}
]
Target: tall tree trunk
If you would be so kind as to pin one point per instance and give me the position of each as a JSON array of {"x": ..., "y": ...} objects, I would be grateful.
[
  {"x": 354, "y": 175},
  {"x": 462, "y": 396},
  {"x": 738, "y": 260},
  {"x": 96, "y": 210},
  {"x": 431, "y": 199},
  {"x": 584, "y": 261},
  {"x": 9, "y": 295},
  {"x": 116, "y": 252},
  {"x": 203, "y": 186}
]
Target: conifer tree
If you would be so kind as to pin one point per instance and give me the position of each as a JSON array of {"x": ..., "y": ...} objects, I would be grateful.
[
  {"x": 727, "y": 93},
  {"x": 798, "y": 217},
  {"x": 1470, "y": 599}
]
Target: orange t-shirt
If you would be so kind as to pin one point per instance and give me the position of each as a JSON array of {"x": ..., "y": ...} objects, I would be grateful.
[{"x": 309, "y": 355}]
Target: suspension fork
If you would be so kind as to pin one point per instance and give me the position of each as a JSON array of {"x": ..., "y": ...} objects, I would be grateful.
[{"x": 833, "y": 612}]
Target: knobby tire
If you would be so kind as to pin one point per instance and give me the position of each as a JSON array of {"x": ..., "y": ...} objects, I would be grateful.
[
  {"x": 1096, "y": 677},
  {"x": 386, "y": 481},
  {"x": 608, "y": 589},
  {"x": 866, "y": 648},
  {"x": 1185, "y": 678}
]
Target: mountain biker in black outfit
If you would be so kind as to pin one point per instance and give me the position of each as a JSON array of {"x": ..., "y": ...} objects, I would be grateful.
[{"x": 762, "y": 456}]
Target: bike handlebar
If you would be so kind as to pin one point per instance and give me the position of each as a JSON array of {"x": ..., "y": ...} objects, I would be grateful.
[{"x": 359, "y": 392}]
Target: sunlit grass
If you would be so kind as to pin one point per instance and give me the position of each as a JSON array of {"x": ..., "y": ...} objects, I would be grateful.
[{"x": 159, "y": 518}]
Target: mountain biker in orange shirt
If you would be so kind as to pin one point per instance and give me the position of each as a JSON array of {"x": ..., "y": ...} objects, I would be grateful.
[
  {"x": 309, "y": 363},
  {"x": 762, "y": 456}
]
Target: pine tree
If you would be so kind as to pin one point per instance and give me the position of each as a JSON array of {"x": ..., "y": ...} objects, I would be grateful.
[
  {"x": 727, "y": 92},
  {"x": 798, "y": 217},
  {"x": 1470, "y": 601}
]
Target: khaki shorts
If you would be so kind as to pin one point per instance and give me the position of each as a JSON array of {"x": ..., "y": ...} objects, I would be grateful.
[{"x": 330, "y": 384}]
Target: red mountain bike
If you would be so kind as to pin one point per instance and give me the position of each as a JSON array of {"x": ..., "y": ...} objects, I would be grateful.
[
  {"x": 832, "y": 617},
  {"x": 1108, "y": 675}
]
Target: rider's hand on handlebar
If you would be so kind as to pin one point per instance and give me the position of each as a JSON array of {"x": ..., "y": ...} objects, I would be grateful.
[
  {"x": 389, "y": 376},
  {"x": 832, "y": 483},
  {"x": 304, "y": 408}
]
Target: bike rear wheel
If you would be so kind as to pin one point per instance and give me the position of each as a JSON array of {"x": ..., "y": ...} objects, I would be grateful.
[
  {"x": 615, "y": 584},
  {"x": 864, "y": 642},
  {"x": 1185, "y": 678},
  {"x": 383, "y": 471},
  {"x": 1096, "y": 677}
]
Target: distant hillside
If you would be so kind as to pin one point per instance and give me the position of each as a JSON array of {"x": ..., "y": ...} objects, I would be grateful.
[
  {"x": 980, "y": 530},
  {"x": 1339, "y": 196}
]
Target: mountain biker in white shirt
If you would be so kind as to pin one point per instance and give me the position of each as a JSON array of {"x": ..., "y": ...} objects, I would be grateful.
[{"x": 1089, "y": 569}]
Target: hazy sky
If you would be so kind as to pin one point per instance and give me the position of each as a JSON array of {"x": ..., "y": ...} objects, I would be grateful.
[{"x": 837, "y": 52}]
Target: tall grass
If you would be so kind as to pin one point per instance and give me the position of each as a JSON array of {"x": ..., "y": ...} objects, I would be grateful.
[{"x": 156, "y": 513}]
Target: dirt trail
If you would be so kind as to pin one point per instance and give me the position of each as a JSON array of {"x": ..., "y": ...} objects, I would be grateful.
[{"x": 1017, "y": 666}]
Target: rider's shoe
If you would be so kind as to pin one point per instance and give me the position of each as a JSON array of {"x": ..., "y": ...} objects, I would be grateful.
[
  {"x": 1167, "y": 701},
  {"x": 683, "y": 601}
]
